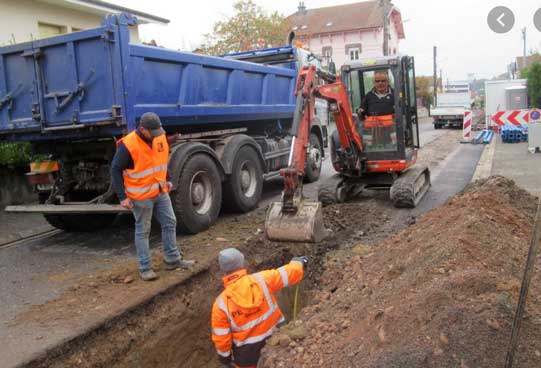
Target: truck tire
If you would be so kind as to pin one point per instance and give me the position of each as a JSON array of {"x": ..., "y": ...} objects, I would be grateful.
[
  {"x": 242, "y": 191},
  {"x": 314, "y": 160},
  {"x": 198, "y": 198},
  {"x": 78, "y": 223}
]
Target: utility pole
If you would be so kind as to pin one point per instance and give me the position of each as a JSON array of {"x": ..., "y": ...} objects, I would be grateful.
[
  {"x": 384, "y": 4},
  {"x": 435, "y": 77},
  {"x": 441, "y": 81},
  {"x": 524, "y": 47},
  {"x": 524, "y": 42}
]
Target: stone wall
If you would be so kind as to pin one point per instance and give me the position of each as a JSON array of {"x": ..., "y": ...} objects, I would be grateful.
[{"x": 14, "y": 188}]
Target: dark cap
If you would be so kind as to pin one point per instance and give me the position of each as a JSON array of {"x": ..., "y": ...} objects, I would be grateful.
[{"x": 151, "y": 122}]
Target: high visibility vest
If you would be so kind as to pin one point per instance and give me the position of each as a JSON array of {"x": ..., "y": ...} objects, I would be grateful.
[
  {"x": 149, "y": 174},
  {"x": 246, "y": 313},
  {"x": 379, "y": 121}
]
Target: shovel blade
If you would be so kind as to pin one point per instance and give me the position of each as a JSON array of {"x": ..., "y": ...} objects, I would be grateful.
[{"x": 305, "y": 225}]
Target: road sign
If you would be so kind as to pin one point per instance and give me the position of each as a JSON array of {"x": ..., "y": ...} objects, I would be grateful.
[
  {"x": 535, "y": 115},
  {"x": 511, "y": 117}
]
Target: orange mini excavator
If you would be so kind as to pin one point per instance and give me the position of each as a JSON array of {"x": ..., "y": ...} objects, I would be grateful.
[{"x": 378, "y": 152}]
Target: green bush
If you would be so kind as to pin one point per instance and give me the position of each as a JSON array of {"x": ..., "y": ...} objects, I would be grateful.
[
  {"x": 15, "y": 154},
  {"x": 533, "y": 75}
]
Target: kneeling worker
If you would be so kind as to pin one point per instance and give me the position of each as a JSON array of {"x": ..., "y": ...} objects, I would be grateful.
[{"x": 245, "y": 314}]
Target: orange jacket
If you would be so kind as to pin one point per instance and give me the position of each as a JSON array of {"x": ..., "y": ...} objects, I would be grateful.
[
  {"x": 245, "y": 314},
  {"x": 149, "y": 174}
]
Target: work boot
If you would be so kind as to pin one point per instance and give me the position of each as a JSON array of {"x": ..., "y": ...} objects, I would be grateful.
[
  {"x": 148, "y": 275},
  {"x": 180, "y": 263}
]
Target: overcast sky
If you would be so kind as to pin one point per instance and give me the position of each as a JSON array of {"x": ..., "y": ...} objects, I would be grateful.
[{"x": 457, "y": 27}]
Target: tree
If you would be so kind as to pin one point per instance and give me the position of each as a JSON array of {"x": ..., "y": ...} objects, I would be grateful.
[
  {"x": 424, "y": 92},
  {"x": 533, "y": 76},
  {"x": 248, "y": 29}
]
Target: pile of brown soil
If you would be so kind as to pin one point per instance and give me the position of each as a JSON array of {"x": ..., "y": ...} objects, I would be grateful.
[{"x": 441, "y": 293}]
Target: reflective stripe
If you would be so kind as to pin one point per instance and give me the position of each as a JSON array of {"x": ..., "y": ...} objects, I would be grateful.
[
  {"x": 221, "y": 331},
  {"x": 283, "y": 273},
  {"x": 255, "y": 322},
  {"x": 254, "y": 339},
  {"x": 225, "y": 355},
  {"x": 147, "y": 172},
  {"x": 145, "y": 189}
]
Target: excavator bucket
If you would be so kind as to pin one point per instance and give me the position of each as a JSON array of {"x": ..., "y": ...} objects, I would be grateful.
[{"x": 305, "y": 225}]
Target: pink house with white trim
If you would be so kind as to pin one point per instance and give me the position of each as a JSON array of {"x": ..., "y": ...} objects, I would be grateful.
[{"x": 347, "y": 32}]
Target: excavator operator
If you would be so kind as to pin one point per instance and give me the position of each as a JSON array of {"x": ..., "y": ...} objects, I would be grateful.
[
  {"x": 377, "y": 109},
  {"x": 380, "y": 100}
]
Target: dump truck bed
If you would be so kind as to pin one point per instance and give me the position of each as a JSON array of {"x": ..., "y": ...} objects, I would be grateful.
[{"x": 95, "y": 83}]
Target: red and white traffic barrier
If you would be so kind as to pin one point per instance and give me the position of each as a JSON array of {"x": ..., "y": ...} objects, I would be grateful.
[
  {"x": 466, "y": 125},
  {"x": 510, "y": 117}
]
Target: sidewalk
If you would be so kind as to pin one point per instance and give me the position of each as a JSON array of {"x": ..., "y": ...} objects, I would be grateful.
[{"x": 515, "y": 162}]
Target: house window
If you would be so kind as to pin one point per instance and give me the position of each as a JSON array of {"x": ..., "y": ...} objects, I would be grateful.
[
  {"x": 354, "y": 51},
  {"x": 354, "y": 54},
  {"x": 326, "y": 52},
  {"x": 49, "y": 30}
]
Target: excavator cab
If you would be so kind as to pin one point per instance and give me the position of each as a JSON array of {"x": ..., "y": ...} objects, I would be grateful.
[{"x": 386, "y": 137}]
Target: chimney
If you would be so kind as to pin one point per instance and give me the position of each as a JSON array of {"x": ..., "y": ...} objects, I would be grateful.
[{"x": 302, "y": 8}]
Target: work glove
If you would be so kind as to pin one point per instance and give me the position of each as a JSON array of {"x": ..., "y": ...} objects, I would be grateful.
[{"x": 302, "y": 260}]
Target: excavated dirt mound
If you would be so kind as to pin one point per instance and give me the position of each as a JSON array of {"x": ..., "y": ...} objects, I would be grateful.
[{"x": 441, "y": 293}]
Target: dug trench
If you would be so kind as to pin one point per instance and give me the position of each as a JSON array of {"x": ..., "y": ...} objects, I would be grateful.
[{"x": 172, "y": 328}]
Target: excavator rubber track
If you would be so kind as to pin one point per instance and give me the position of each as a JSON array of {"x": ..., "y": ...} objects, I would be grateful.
[
  {"x": 328, "y": 190},
  {"x": 410, "y": 187},
  {"x": 338, "y": 189}
]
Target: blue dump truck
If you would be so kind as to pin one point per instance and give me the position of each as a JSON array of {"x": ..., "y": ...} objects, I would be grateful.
[{"x": 74, "y": 95}]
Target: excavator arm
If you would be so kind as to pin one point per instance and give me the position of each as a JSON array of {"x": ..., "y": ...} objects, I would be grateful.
[
  {"x": 334, "y": 92},
  {"x": 294, "y": 218},
  {"x": 302, "y": 123},
  {"x": 350, "y": 140}
]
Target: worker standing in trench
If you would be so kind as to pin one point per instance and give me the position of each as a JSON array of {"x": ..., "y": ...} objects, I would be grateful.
[
  {"x": 245, "y": 314},
  {"x": 139, "y": 175}
]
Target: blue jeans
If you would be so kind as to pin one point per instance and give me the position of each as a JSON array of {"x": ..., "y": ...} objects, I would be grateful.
[{"x": 163, "y": 211}]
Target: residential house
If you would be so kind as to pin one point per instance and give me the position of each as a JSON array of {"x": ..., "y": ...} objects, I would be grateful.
[
  {"x": 24, "y": 20},
  {"x": 348, "y": 32},
  {"x": 523, "y": 63}
]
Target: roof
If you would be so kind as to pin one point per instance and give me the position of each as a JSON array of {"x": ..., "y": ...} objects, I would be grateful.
[
  {"x": 531, "y": 59},
  {"x": 102, "y": 8},
  {"x": 340, "y": 18}
]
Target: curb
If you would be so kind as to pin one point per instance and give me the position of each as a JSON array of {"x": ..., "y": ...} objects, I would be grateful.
[{"x": 484, "y": 166}]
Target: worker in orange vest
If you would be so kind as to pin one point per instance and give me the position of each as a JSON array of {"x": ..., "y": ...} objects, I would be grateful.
[
  {"x": 140, "y": 178},
  {"x": 245, "y": 314}
]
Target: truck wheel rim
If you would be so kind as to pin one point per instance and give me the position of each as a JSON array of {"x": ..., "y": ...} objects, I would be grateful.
[
  {"x": 248, "y": 179},
  {"x": 201, "y": 192}
]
